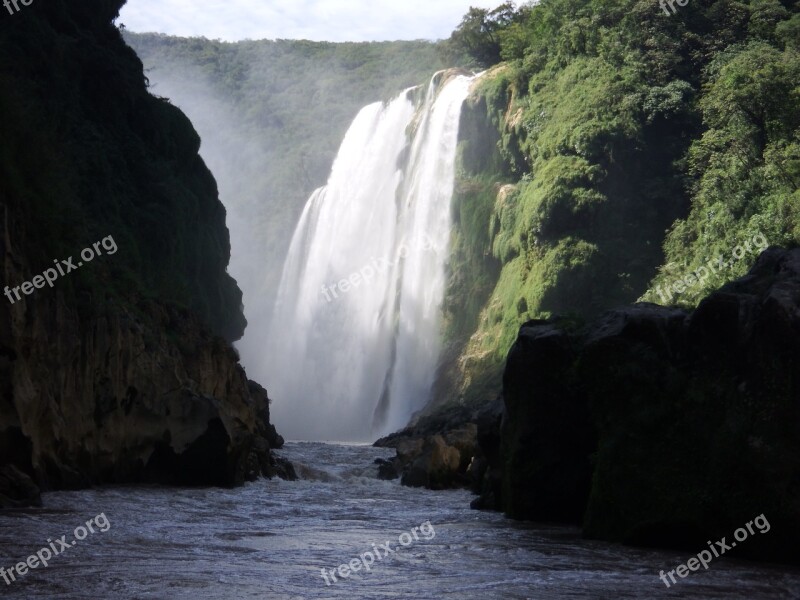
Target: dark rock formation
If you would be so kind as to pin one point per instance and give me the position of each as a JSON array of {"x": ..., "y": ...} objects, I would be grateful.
[
  {"x": 123, "y": 370},
  {"x": 121, "y": 402},
  {"x": 17, "y": 489},
  {"x": 435, "y": 467},
  {"x": 432, "y": 460},
  {"x": 387, "y": 471},
  {"x": 485, "y": 474},
  {"x": 660, "y": 427}
]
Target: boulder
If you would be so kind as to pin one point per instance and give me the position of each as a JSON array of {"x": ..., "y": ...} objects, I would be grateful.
[
  {"x": 420, "y": 454},
  {"x": 484, "y": 472},
  {"x": 436, "y": 467}
]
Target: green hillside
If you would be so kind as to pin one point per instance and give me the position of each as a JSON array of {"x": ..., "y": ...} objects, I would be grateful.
[{"x": 615, "y": 149}]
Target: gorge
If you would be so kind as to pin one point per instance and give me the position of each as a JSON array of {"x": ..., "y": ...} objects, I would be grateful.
[{"x": 467, "y": 265}]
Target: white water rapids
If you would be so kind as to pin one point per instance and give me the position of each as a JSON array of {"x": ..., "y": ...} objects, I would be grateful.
[{"x": 355, "y": 337}]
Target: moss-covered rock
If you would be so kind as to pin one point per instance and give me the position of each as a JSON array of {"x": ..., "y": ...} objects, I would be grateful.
[{"x": 660, "y": 427}]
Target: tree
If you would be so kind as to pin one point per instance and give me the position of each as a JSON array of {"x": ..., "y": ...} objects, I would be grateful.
[{"x": 476, "y": 41}]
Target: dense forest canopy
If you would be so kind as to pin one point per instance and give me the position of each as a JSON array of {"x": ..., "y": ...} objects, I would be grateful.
[{"x": 634, "y": 146}]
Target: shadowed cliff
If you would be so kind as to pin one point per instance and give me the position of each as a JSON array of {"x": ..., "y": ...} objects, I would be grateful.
[{"x": 119, "y": 370}]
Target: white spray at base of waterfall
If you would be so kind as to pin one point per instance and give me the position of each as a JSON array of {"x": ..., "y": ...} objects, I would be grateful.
[{"x": 360, "y": 366}]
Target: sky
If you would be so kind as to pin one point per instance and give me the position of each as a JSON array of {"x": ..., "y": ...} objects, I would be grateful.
[{"x": 328, "y": 20}]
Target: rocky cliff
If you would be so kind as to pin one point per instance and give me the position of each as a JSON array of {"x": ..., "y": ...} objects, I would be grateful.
[
  {"x": 657, "y": 426},
  {"x": 122, "y": 370}
]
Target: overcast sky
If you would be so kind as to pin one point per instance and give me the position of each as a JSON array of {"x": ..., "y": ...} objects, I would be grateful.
[{"x": 332, "y": 20}]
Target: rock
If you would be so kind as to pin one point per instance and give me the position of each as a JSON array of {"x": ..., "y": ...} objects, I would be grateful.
[
  {"x": 485, "y": 471},
  {"x": 436, "y": 467},
  {"x": 431, "y": 461},
  {"x": 660, "y": 427},
  {"x": 264, "y": 428},
  {"x": 441, "y": 420},
  {"x": 409, "y": 450},
  {"x": 131, "y": 402},
  {"x": 17, "y": 490},
  {"x": 548, "y": 434},
  {"x": 282, "y": 468},
  {"x": 416, "y": 446},
  {"x": 415, "y": 476},
  {"x": 387, "y": 471},
  {"x": 465, "y": 440},
  {"x": 123, "y": 372}
]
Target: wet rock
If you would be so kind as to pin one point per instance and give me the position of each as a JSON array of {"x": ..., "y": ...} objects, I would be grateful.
[
  {"x": 131, "y": 402},
  {"x": 485, "y": 473},
  {"x": 465, "y": 440},
  {"x": 409, "y": 450},
  {"x": 436, "y": 467},
  {"x": 282, "y": 468},
  {"x": 416, "y": 447},
  {"x": 17, "y": 490},
  {"x": 387, "y": 470},
  {"x": 548, "y": 436}
]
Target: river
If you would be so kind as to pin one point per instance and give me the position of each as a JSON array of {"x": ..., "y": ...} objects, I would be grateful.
[{"x": 272, "y": 539}]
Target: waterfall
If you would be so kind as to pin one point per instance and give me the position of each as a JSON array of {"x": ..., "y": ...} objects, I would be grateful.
[{"x": 355, "y": 337}]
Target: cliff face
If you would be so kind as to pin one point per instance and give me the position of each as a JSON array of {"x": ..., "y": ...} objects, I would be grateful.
[
  {"x": 658, "y": 426},
  {"x": 120, "y": 371}
]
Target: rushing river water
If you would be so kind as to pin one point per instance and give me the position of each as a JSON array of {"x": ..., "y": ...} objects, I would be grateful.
[{"x": 271, "y": 539}]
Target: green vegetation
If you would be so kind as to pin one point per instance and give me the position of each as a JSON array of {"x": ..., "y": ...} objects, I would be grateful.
[
  {"x": 477, "y": 41},
  {"x": 613, "y": 124}
]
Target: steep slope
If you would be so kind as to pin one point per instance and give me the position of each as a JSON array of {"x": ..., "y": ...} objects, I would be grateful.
[
  {"x": 608, "y": 124},
  {"x": 117, "y": 371}
]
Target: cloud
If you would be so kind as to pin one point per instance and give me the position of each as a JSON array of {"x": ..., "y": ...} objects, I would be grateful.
[{"x": 329, "y": 20}]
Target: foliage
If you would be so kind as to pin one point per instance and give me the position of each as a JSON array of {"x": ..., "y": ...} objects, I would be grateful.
[
  {"x": 614, "y": 124},
  {"x": 746, "y": 165},
  {"x": 477, "y": 40}
]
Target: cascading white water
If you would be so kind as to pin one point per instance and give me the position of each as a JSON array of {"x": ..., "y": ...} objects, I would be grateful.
[{"x": 355, "y": 337}]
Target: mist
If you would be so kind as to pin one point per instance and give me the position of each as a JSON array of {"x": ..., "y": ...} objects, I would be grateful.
[
  {"x": 235, "y": 155},
  {"x": 268, "y": 155}
]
